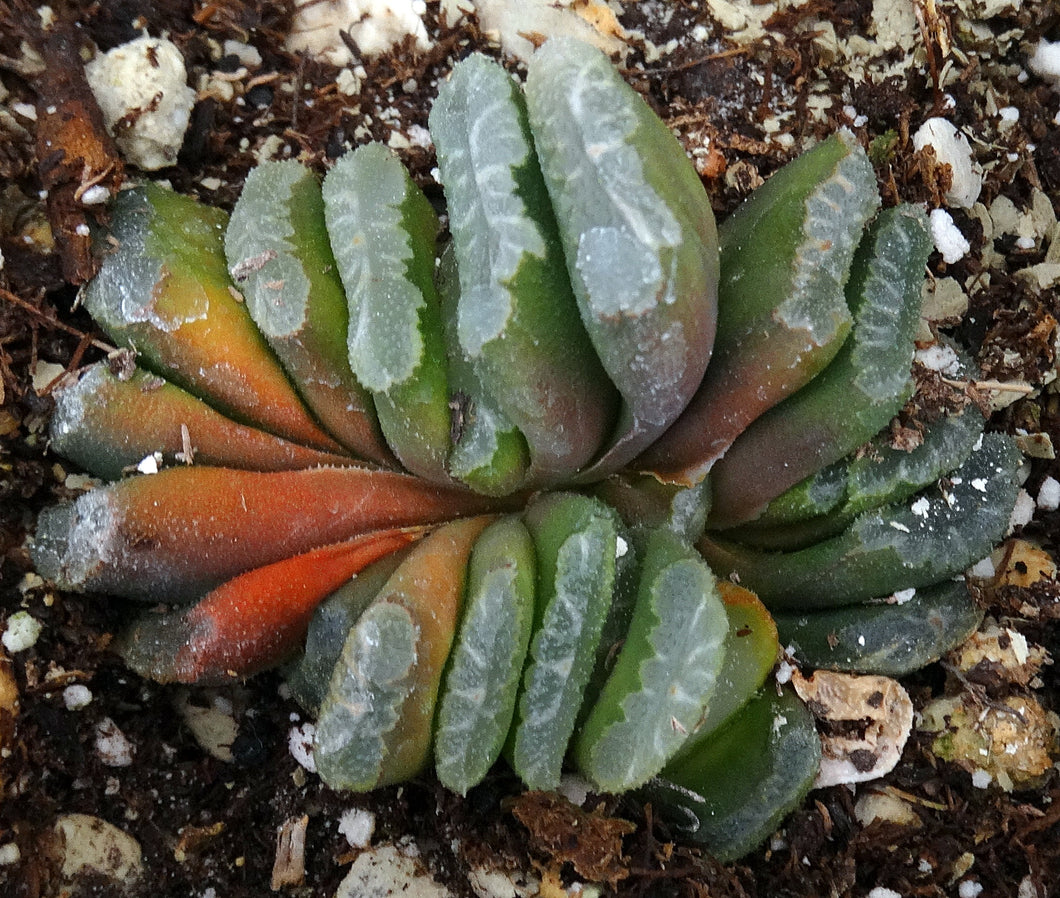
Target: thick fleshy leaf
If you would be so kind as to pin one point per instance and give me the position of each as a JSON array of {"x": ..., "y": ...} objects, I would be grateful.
[
  {"x": 489, "y": 452},
  {"x": 109, "y": 424},
  {"x": 827, "y": 502},
  {"x": 638, "y": 234},
  {"x": 576, "y": 540},
  {"x": 643, "y": 501},
  {"x": 309, "y": 676},
  {"x": 869, "y": 379},
  {"x": 751, "y": 652},
  {"x": 165, "y": 292},
  {"x": 907, "y": 545},
  {"x": 782, "y": 314},
  {"x": 375, "y": 722},
  {"x": 516, "y": 320},
  {"x": 252, "y": 622},
  {"x": 892, "y": 638},
  {"x": 278, "y": 252},
  {"x": 176, "y": 535},
  {"x": 478, "y": 699},
  {"x": 665, "y": 674},
  {"x": 733, "y": 793},
  {"x": 383, "y": 233}
]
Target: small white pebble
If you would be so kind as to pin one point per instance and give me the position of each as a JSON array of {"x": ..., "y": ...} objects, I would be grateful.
[
  {"x": 358, "y": 826},
  {"x": 981, "y": 779},
  {"x": 904, "y": 595},
  {"x": 77, "y": 697},
  {"x": 575, "y": 789},
  {"x": 947, "y": 236},
  {"x": 881, "y": 892},
  {"x": 149, "y": 464},
  {"x": 26, "y": 110},
  {"x": 938, "y": 357},
  {"x": 1022, "y": 511},
  {"x": 246, "y": 54},
  {"x": 300, "y": 743},
  {"x": 145, "y": 82},
  {"x": 420, "y": 137},
  {"x": 1045, "y": 63},
  {"x": 21, "y": 632},
  {"x": 969, "y": 888},
  {"x": 1049, "y": 494},
  {"x": 921, "y": 507},
  {"x": 9, "y": 854},
  {"x": 112, "y": 745},
  {"x": 979, "y": 483},
  {"x": 1009, "y": 114},
  {"x": 96, "y": 195},
  {"x": 952, "y": 148},
  {"x": 983, "y": 570}
]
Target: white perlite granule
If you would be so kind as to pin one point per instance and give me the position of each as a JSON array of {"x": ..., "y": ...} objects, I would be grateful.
[
  {"x": 300, "y": 742},
  {"x": 374, "y": 26},
  {"x": 144, "y": 85},
  {"x": 1045, "y": 63},
  {"x": 76, "y": 697},
  {"x": 948, "y": 239},
  {"x": 952, "y": 148},
  {"x": 358, "y": 826},
  {"x": 1049, "y": 494},
  {"x": 21, "y": 632}
]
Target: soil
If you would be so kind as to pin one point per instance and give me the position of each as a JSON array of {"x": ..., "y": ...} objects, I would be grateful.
[{"x": 743, "y": 103}]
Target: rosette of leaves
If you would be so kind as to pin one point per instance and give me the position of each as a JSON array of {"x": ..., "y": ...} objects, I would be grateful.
[{"x": 476, "y": 491}]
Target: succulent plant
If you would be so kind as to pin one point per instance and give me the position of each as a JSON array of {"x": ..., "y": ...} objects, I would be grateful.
[{"x": 477, "y": 499}]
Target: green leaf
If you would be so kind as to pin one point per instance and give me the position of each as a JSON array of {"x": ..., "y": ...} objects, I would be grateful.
[
  {"x": 751, "y": 652},
  {"x": 576, "y": 540},
  {"x": 869, "y": 378},
  {"x": 733, "y": 792},
  {"x": 489, "y": 453},
  {"x": 643, "y": 501},
  {"x": 827, "y": 502},
  {"x": 938, "y": 534},
  {"x": 890, "y": 638},
  {"x": 108, "y": 424},
  {"x": 481, "y": 685},
  {"x": 638, "y": 234},
  {"x": 375, "y": 723},
  {"x": 278, "y": 252},
  {"x": 165, "y": 292},
  {"x": 516, "y": 321},
  {"x": 665, "y": 673},
  {"x": 383, "y": 232},
  {"x": 334, "y": 618},
  {"x": 782, "y": 314}
]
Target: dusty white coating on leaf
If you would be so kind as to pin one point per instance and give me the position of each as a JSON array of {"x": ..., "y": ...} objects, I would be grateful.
[
  {"x": 481, "y": 145},
  {"x": 363, "y": 194},
  {"x": 590, "y": 150}
]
